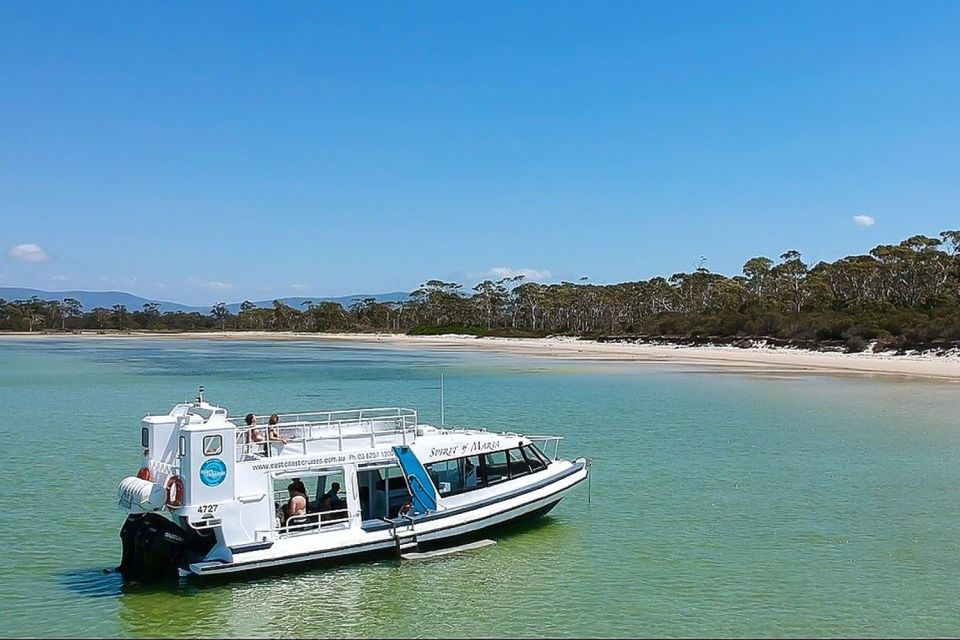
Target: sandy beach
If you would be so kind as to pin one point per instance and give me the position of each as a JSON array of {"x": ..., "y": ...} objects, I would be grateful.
[{"x": 779, "y": 361}]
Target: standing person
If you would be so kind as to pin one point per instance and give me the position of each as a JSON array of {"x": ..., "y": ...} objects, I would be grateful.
[{"x": 297, "y": 505}]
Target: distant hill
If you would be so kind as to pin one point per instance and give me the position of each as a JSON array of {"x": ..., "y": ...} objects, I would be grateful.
[{"x": 93, "y": 299}]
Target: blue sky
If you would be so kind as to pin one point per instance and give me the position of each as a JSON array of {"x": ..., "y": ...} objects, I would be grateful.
[{"x": 251, "y": 150}]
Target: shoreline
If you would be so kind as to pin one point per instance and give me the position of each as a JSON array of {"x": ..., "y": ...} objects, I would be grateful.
[{"x": 774, "y": 360}]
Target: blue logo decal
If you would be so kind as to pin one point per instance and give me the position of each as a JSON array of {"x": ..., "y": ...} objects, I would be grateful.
[{"x": 213, "y": 472}]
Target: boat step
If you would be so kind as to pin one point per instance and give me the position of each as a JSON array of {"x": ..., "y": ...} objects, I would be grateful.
[
  {"x": 406, "y": 542},
  {"x": 478, "y": 544}
]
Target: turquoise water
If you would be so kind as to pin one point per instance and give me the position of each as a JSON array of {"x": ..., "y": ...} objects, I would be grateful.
[{"x": 722, "y": 504}]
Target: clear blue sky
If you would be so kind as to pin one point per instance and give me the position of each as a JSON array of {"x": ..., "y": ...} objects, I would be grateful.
[{"x": 210, "y": 151}]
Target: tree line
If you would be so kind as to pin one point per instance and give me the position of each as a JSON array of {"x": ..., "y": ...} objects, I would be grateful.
[{"x": 900, "y": 296}]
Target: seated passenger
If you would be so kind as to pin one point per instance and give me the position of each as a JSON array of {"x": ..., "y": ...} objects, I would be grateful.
[
  {"x": 331, "y": 499},
  {"x": 273, "y": 432},
  {"x": 255, "y": 435}
]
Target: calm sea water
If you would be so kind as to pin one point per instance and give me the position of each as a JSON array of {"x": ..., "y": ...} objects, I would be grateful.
[{"x": 722, "y": 504}]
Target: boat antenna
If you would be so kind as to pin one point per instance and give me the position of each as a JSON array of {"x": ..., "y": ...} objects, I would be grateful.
[
  {"x": 442, "y": 416},
  {"x": 200, "y": 394}
]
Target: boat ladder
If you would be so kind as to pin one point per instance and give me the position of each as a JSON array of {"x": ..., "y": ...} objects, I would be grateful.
[{"x": 406, "y": 538}]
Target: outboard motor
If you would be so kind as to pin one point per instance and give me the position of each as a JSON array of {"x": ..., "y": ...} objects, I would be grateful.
[{"x": 154, "y": 548}]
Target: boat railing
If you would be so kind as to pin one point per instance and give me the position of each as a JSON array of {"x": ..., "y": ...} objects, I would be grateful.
[
  {"x": 160, "y": 471},
  {"x": 308, "y": 523},
  {"x": 306, "y": 427},
  {"x": 543, "y": 443}
]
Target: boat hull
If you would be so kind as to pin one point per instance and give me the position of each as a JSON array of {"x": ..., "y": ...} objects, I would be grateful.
[{"x": 438, "y": 530}]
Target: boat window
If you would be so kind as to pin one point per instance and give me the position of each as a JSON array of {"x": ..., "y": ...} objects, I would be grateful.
[
  {"x": 446, "y": 476},
  {"x": 471, "y": 473},
  {"x": 536, "y": 464},
  {"x": 182, "y": 448},
  {"x": 145, "y": 437},
  {"x": 495, "y": 465},
  {"x": 324, "y": 507},
  {"x": 535, "y": 450},
  {"x": 518, "y": 464},
  {"x": 212, "y": 445}
]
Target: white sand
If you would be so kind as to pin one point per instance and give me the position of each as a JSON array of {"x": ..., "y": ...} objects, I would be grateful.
[{"x": 759, "y": 360}]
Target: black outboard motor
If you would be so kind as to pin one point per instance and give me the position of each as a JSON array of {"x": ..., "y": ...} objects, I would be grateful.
[{"x": 155, "y": 547}]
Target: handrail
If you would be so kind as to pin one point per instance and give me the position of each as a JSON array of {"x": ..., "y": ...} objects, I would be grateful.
[
  {"x": 318, "y": 520},
  {"x": 363, "y": 425},
  {"x": 375, "y": 412},
  {"x": 545, "y": 439}
]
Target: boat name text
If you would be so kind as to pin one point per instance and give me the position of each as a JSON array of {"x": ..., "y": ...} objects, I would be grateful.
[{"x": 465, "y": 449}]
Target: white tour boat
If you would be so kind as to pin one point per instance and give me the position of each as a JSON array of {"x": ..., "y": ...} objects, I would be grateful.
[{"x": 212, "y": 493}]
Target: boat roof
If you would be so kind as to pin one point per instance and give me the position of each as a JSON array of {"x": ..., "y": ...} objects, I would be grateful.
[{"x": 348, "y": 435}]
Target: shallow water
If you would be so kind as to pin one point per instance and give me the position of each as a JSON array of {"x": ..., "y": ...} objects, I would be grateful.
[{"x": 721, "y": 504}]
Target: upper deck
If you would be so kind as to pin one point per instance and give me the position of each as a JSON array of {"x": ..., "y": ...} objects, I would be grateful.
[{"x": 304, "y": 433}]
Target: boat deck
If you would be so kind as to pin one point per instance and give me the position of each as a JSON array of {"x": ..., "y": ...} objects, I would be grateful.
[{"x": 326, "y": 432}]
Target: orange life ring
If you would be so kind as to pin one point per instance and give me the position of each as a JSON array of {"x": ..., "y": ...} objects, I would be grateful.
[
  {"x": 174, "y": 492},
  {"x": 145, "y": 474}
]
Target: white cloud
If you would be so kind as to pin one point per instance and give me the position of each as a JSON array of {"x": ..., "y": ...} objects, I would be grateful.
[
  {"x": 29, "y": 253},
  {"x": 213, "y": 285},
  {"x": 510, "y": 272},
  {"x": 118, "y": 281},
  {"x": 298, "y": 287},
  {"x": 60, "y": 278},
  {"x": 864, "y": 221}
]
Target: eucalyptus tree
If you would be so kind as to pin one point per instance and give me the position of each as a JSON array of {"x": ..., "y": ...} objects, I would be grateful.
[
  {"x": 34, "y": 311},
  {"x": 150, "y": 314},
  {"x": 55, "y": 311},
  {"x": 330, "y": 316},
  {"x": 489, "y": 299},
  {"x": 72, "y": 308},
  {"x": 120, "y": 316},
  {"x": 101, "y": 316},
  {"x": 440, "y": 301},
  {"x": 789, "y": 278},
  {"x": 246, "y": 312},
  {"x": 368, "y": 313},
  {"x": 757, "y": 272},
  {"x": 284, "y": 316},
  {"x": 221, "y": 313}
]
